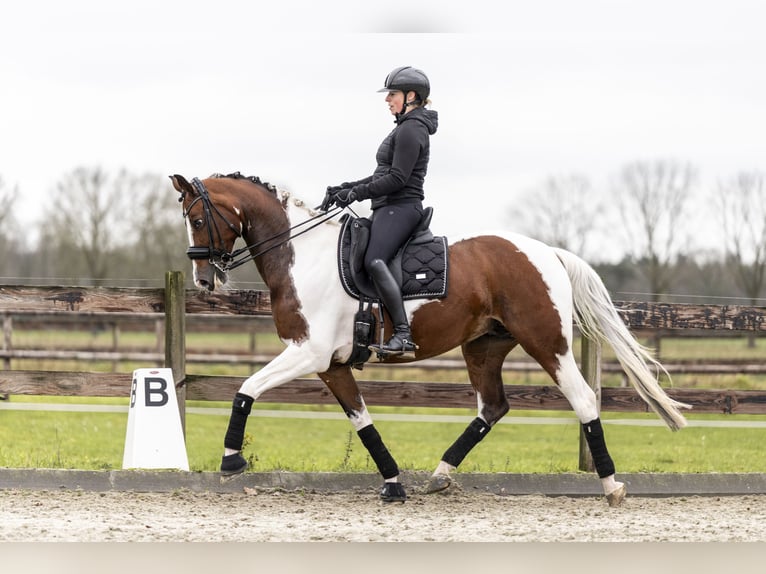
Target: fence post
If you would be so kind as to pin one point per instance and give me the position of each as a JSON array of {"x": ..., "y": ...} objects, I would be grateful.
[
  {"x": 7, "y": 345},
  {"x": 7, "y": 338},
  {"x": 115, "y": 344},
  {"x": 175, "y": 336},
  {"x": 591, "y": 369}
]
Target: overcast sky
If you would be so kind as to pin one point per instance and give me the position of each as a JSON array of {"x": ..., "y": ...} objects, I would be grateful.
[{"x": 287, "y": 91}]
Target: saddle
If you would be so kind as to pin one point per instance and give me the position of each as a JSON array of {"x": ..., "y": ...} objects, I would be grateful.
[{"x": 419, "y": 267}]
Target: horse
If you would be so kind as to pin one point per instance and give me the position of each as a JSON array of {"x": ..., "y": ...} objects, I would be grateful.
[{"x": 505, "y": 289}]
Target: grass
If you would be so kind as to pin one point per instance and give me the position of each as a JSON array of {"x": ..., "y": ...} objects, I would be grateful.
[
  {"x": 35, "y": 439},
  {"x": 38, "y": 439}
]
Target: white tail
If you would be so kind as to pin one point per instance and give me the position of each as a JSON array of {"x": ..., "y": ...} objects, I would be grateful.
[{"x": 597, "y": 318}]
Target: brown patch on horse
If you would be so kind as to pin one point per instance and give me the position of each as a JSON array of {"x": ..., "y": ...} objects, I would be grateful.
[
  {"x": 491, "y": 281},
  {"x": 484, "y": 359},
  {"x": 344, "y": 388},
  {"x": 273, "y": 266},
  {"x": 244, "y": 200}
]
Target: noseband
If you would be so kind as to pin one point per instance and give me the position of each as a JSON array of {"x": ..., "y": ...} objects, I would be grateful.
[{"x": 218, "y": 256}]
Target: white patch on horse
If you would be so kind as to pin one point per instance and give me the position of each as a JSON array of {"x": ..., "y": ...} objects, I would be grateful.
[
  {"x": 325, "y": 307},
  {"x": 553, "y": 274},
  {"x": 360, "y": 419},
  {"x": 187, "y": 224},
  {"x": 480, "y": 406},
  {"x": 576, "y": 390},
  {"x": 238, "y": 212}
]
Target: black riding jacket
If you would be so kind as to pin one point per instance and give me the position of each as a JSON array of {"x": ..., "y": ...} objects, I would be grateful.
[{"x": 402, "y": 161}]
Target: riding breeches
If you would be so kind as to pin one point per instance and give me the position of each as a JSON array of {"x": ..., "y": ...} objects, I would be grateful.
[{"x": 392, "y": 226}]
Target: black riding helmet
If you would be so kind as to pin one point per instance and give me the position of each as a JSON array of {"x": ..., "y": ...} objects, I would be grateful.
[{"x": 406, "y": 79}]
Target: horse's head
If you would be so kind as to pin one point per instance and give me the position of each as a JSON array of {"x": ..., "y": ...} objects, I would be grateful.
[{"x": 213, "y": 227}]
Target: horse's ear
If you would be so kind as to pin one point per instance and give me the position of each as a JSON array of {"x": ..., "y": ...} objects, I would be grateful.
[{"x": 180, "y": 183}]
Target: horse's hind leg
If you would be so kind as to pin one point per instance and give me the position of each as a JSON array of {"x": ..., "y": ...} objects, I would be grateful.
[
  {"x": 342, "y": 384},
  {"x": 484, "y": 358},
  {"x": 564, "y": 371}
]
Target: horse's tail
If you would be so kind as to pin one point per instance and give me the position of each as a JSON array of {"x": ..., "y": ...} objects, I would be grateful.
[{"x": 597, "y": 318}]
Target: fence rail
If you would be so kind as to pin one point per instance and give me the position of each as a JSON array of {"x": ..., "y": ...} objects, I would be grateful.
[
  {"x": 174, "y": 306},
  {"x": 674, "y": 367},
  {"x": 251, "y": 310},
  {"x": 379, "y": 393}
]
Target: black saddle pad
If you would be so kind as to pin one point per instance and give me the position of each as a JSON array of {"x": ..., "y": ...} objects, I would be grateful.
[{"x": 420, "y": 267}]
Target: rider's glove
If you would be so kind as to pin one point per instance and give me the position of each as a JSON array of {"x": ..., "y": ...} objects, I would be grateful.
[
  {"x": 344, "y": 197},
  {"x": 327, "y": 201},
  {"x": 333, "y": 189}
]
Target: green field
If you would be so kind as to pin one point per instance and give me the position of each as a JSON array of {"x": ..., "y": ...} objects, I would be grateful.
[
  {"x": 45, "y": 439},
  {"x": 40, "y": 439}
]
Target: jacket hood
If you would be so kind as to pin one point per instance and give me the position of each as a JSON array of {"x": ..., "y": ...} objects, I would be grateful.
[{"x": 429, "y": 118}]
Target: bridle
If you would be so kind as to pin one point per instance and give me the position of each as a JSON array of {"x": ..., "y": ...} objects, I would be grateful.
[{"x": 224, "y": 260}]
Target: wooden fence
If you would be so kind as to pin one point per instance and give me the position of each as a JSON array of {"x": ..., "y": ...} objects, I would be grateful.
[
  {"x": 109, "y": 344},
  {"x": 174, "y": 304}
]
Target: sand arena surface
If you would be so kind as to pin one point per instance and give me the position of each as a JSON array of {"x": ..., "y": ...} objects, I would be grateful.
[{"x": 275, "y": 515}]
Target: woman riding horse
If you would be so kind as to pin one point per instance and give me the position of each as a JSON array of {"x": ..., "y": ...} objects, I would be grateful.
[{"x": 396, "y": 190}]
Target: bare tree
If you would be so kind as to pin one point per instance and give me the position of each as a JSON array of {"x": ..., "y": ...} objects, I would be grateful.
[
  {"x": 86, "y": 221},
  {"x": 8, "y": 226},
  {"x": 160, "y": 244},
  {"x": 741, "y": 209},
  {"x": 7, "y": 199},
  {"x": 560, "y": 212},
  {"x": 654, "y": 203}
]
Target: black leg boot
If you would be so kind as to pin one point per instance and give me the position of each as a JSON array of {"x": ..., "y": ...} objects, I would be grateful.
[
  {"x": 235, "y": 435},
  {"x": 391, "y": 295}
]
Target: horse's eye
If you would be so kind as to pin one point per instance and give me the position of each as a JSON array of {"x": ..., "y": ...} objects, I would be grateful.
[{"x": 197, "y": 223}]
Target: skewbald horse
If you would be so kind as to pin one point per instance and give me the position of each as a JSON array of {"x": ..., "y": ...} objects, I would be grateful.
[{"x": 505, "y": 289}]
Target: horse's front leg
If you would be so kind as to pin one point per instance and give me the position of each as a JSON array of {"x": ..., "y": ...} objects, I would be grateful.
[
  {"x": 295, "y": 361},
  {"x": 342, "y": 384}
]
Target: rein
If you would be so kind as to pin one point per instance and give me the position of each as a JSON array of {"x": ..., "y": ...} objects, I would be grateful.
[{"x": 225, "y": 261}]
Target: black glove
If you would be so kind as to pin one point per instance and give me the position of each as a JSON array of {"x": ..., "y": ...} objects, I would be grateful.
[
  {"x": 327, "y": 201},
  {"x": 344, "y": 197},
  {"x": 333, "y": 189}
]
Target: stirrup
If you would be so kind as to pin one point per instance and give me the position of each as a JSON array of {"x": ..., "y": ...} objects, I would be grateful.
[{"x": 398, "y": 344}]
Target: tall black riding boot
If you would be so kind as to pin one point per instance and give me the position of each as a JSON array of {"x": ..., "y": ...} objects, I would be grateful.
[{"x": 391, "y": 295}]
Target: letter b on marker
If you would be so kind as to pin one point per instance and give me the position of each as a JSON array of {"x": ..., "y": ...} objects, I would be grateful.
[{"x": 155, "y": 392}]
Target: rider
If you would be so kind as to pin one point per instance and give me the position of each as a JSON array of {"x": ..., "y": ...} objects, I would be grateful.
[{"x": 396, "y": 191}]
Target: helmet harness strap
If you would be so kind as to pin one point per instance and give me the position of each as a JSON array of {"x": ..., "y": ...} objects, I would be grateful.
[{"x": 406, "y": 104}]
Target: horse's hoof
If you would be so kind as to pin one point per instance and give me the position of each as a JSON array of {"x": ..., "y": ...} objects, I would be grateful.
[
  {"x": 393, "y": 492},
  {"x": 616, "y": 497},
  {"x": 438, "y": 483},
  {"x": 233, "y": 464}
]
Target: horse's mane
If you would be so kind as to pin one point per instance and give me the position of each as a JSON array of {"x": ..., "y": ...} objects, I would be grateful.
[
  {"x": 272, "y": 189},
  {"x": 251, "y": 178}
]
